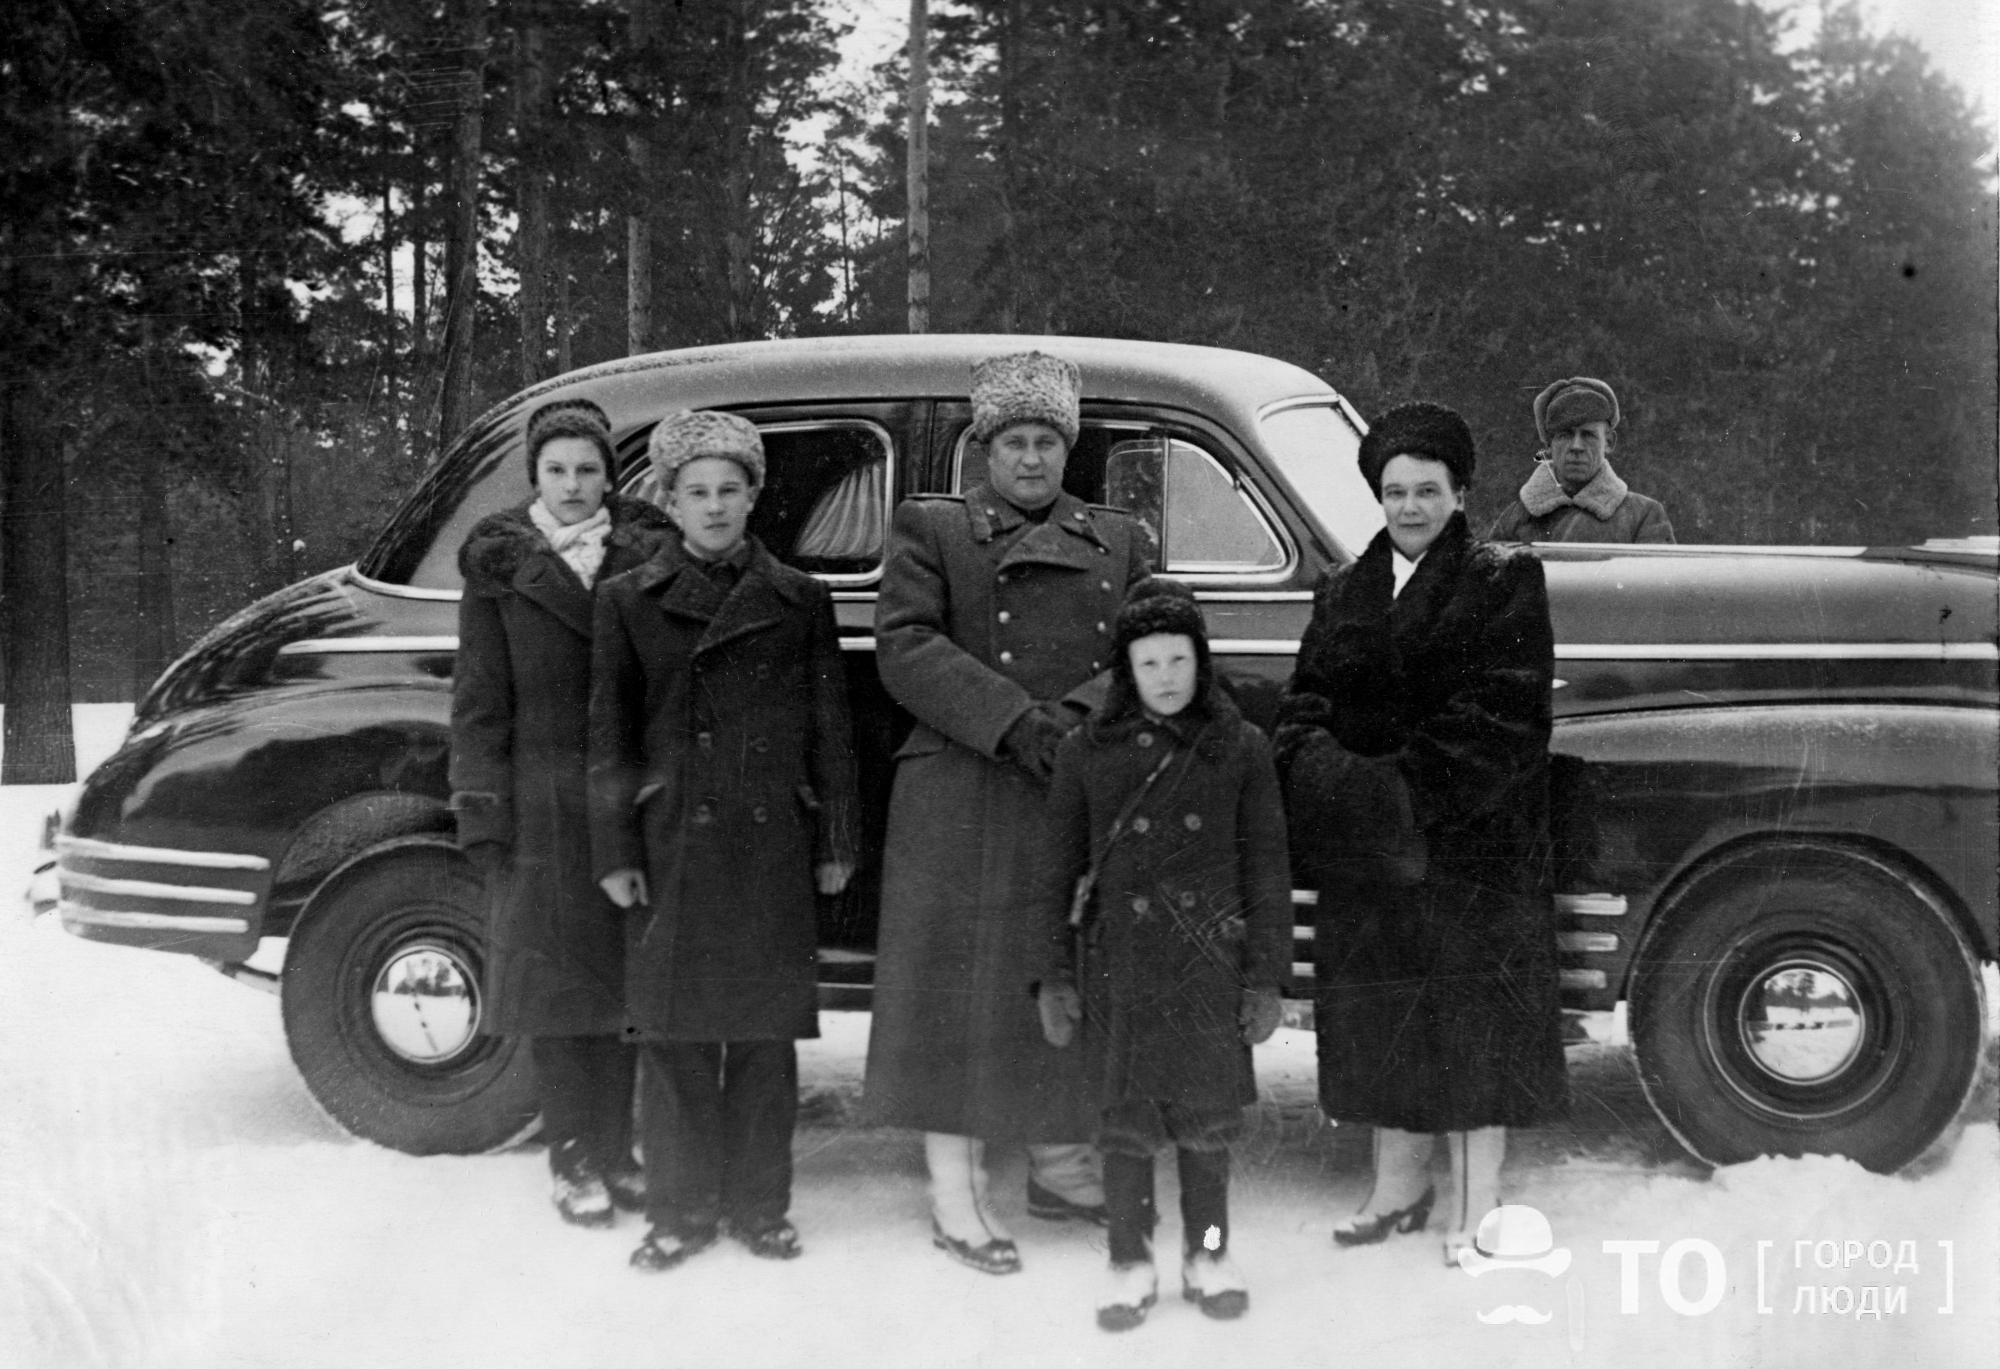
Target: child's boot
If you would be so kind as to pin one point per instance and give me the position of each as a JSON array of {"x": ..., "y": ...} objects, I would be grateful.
[
  {"x": 1209, "y": 1277},
  {"x": 1133, "y": 1285}
]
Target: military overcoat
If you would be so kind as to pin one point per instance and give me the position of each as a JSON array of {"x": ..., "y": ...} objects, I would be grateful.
[
  {"x": 722, "y": 765},
  {"x": 983, "y": 613},
  {"x": 1436, "y": 999},
  {"x": 520, "y": 716}
]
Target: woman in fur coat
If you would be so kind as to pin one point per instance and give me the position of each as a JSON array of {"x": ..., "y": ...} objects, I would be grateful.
[
  {"x": 1413, "y": 745},
  {"x": 555, "y": 961}
]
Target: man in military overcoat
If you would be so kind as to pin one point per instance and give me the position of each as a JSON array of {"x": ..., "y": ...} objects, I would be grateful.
[{"x": 995, "y": 619}]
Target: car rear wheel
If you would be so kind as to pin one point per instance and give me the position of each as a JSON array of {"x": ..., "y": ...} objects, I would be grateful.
[
  {"x": 1807, "y": 1000},
  {"x": 382, "y": 999}
]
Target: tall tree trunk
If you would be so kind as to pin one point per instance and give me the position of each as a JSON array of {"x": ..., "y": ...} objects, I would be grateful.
[
  {"x": 153, "y": 638},
  {"x": 639, "y": 224},
  {"x": 39, "y": 745},
  {"x": 462, "y": 242},
  {"x": 736, "y": 237},
  {"x": 388, "y": 276},
  {"x": 531, "y": 175},
  {"x": 1010, "y": 142},
  {"x": 919, "y": 167}
]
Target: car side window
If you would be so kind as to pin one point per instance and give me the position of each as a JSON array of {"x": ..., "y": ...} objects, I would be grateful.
[
  {"x": 1204, "y": 519},
  {"x": 824, "y": 507}
]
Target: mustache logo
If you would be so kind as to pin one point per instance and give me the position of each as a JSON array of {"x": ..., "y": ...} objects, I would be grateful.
[{"x": 1501, "y": 1316}]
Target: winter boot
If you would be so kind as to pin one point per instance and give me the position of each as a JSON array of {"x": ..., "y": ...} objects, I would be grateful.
[
  {"x": 1208, "y": 1276},
  {"x": 1128, "y": 1199},
  {"x": 960, "y": 1225},
  {"x": 1066, "y": 1184},
  {"x": 576, "y": 1188}
]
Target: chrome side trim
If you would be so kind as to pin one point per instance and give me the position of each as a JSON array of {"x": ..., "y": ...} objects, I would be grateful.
[
  {"x": 341, "y": 646},
  {"x": 146, "y": 888},
  {"x": 1305, "y": 898},
  {"x": 403, "y": 591},
  {"x": 1254, "y": 596},
  {"x": 1782, "y": 651},
  {"x": 1588, "y": 943},
  {"x": 857, "y": 643},
  {"x": 74, "y": 916},
  {"x": 89, "y": 848},
  {"x": 1253, "y": 646},
  {"x": 1590, "y": 905},
  {"x": 1583, "y": 979}
]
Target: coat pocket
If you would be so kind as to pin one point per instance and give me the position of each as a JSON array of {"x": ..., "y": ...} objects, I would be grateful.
[{"x": 924, "y": 740}]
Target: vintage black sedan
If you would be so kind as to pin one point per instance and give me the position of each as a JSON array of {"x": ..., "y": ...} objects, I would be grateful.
[{"x": 1777, "y": 812}]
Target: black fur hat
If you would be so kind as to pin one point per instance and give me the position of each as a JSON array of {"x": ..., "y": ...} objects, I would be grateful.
[
  {"x": 1156, "y": 604},
  {"x": 1418, "y": 429},
  {"x": 570, "y": 418}
]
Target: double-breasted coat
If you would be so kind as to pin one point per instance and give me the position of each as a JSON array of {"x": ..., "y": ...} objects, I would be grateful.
[
  {"x": 983, "y": 613},
  {"x": 1437, "y": 1002},
  {"x": 722, "y": 765},
  {"x": 519, "y": 721},
  {"x": 1192, "y": 902}
]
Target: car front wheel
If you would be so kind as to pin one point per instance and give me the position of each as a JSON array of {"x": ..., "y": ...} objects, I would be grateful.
[
  {"x": 1807, "y": 1000},
  {"x": 382, "y": 999}
]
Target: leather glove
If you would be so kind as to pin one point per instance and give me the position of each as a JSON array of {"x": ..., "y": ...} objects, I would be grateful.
[
  {"x": 1061, "y": 1007},
  {"x": 1259, "y": 1014},
  {"x": 1032, "y": 740}
]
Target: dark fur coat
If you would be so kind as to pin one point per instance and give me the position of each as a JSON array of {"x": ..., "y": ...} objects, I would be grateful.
[{"x": 1413, "y": 745}]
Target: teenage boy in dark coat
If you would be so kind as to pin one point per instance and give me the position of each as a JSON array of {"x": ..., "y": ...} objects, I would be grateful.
[{"x": 722, "y": 802}]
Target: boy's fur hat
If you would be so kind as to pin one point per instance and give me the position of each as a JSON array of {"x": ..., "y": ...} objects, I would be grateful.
[{"x": 693, "y": 434}]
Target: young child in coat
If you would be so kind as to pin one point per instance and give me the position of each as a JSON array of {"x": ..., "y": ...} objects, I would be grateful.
[{"x": 1167, "y": 803}]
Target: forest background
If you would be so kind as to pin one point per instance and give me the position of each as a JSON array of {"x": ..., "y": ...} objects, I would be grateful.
[{"x": 259, "y": 260}]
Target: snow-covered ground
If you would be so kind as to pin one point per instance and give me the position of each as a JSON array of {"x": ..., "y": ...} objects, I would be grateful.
[{"x": 170, "y": 1196}]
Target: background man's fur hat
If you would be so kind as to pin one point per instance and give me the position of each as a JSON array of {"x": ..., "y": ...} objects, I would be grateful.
[
  {"x": 693, "y": 434},
  {"x": 1418, "y": 429},
  {"x": 570, "y": 418},
  {"x": 1026, "y": 387},
  {"x": 1579, "y": 399}
]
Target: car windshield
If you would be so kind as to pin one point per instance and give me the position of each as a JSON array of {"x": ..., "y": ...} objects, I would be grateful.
[{"x": 1316, "y": 445}]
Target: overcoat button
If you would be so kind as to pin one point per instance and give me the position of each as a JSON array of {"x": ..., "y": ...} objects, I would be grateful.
[
  {"x": 1095, "y": 666},
  {"x": 1145, "y": 739},
  {"x": 704, "y": 740},
  {"x": 1104, "y": 585},
  {"x": 1104, "y": 551},
  {"x": 703, "y": 815},
  {"x": 1141, "y": 906},
  {"x": 1142, "y": 825},
  {"x": 1078, "y": 515},
  {"x": 759, "y": 745},
  {"x": 1187, "y": 900},
  {"x": 759, "y": 814},
  {"x": 1006, "y": 657},
  {"x": 1005, "y": 616},
  {"x": 1193, "y": 821},
  {"x": 1102, "y": 628}
]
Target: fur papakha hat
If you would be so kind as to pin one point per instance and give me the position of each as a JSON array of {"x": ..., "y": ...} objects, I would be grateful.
[
  {"x": 570, "y": 418},
  {"x": 693, "y": 434},
  {"x": 1026, "y": 387},
  {"x": 1579, "y": 399},
  {"x": 1418, "y": 429}
]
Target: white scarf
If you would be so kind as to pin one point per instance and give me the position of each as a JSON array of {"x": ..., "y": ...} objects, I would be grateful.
[{"x": 581, "y": 545}]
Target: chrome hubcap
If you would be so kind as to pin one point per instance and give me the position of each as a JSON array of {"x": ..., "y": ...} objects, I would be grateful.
[
  {"x": 424, "y": 1003},
  {"x": 1802, "y": 1022}
]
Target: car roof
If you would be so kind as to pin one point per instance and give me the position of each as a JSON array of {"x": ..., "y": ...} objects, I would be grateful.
[{"x": 1211, "y": 380}]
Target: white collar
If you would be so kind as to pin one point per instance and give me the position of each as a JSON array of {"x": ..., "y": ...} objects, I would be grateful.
[{"x": 1401, "y": 568}]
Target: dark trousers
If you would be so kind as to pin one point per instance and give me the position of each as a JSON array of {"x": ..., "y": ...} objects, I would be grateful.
[
  {"x": 718, "y": 1121},
  {"x": 586, "y": 1090},
  {"x": 1128, "y": 1137}
]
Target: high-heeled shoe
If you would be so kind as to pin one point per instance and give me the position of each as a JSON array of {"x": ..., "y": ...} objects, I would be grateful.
[
  {"x": 1364, "y": 1230},
  {"x": 1456, "y": 1243}
]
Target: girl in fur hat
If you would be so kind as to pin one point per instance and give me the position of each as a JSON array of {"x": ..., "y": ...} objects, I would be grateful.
[
  {"x": 555, "y": 954},
  {"x": 1166, "y": 805}
]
